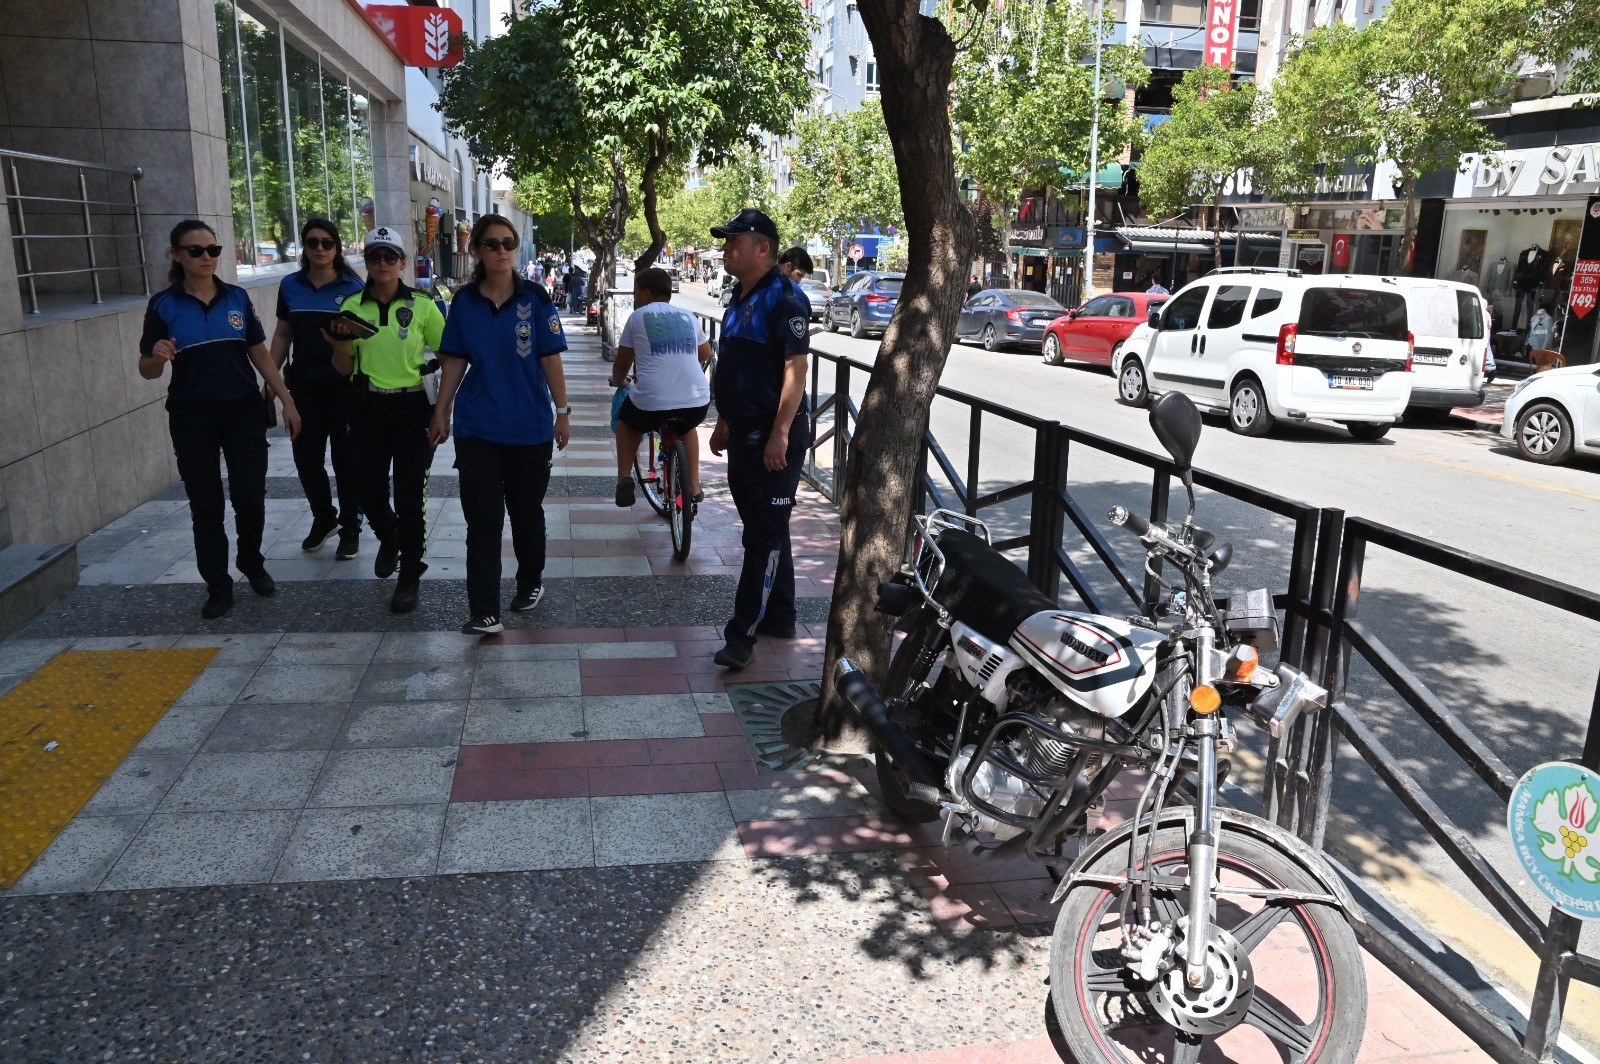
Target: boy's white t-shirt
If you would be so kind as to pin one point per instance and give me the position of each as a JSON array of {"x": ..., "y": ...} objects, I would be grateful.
[{"x": 666, "y": 363}]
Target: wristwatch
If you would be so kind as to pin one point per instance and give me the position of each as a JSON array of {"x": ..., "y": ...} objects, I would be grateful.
[{"x": 563, "y": 409}]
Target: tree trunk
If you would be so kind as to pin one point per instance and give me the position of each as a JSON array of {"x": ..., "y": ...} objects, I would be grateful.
[
  {"x": 660, "y": 151},
  {"x": 603, "y": 235},
  {"x": 1409, "y": 239},
  {"x": 1216, "y": 228},
  {"x": 915, "y": 58}
]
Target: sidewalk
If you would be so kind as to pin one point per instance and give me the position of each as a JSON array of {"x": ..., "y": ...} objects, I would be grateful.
[{"x": 318, "y": 830}]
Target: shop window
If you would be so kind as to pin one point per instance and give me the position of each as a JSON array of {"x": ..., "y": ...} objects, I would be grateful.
[
  {"x": 361, "y": 147},
  {"x": 306, "y": 127},
  {"x": 1227, "y": 310},
  {"x": 871, "y": 82},
  {"x": 341, "y": 158},
  {"x": 1267, "y": 301},
  {"x": 238, "y": 154},
  {"x": 266, "y": 136}
]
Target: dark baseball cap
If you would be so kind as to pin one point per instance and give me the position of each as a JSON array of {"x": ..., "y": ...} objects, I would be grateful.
[{"x": 748, "y": 220}]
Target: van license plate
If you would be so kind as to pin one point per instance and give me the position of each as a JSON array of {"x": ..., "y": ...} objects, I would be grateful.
[
  {"x": 1431, "y": 360},
  {"x": 1351, "y": 383}
]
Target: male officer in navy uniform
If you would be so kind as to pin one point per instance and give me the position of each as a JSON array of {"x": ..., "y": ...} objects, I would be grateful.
[{"x": 763, "y": 424}]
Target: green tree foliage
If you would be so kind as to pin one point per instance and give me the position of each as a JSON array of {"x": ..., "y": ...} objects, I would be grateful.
[
  {"x": 1406, "y": 88},
  {"x": 845, "y": 178},
  {"x": 1558, "y": 34},
  {"x": 1024, "y": 97},
  {"x": 606, "y": 95},
  {"x": 1217, "y": 129},
  {"x": 688, "y": 215}
]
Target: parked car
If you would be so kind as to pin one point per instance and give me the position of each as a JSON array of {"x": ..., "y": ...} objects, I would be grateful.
[
  {"x": 818, "y": 292},
  {"x": 1555, "y": 414},
  {"x": 1097, "y": 330},
  {"x": 1450, "y": 329},
  {"x": 864, "y": 303},
  {"x": 1265, "y": 344},
  {"x": 1003, "y": 317}
]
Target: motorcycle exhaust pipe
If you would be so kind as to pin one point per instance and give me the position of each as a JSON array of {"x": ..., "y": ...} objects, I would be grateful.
[{"x": 852, "y": 685}]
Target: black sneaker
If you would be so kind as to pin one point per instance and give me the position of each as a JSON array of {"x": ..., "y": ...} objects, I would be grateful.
[
  {"x": 387, "y": 561},
  {"x": 527, "y": 600},
  {"x": 774, "y": 630},
  {"x": 321, "y": 532},
  {"x": 261, "y": 583},
  {"x": 218, "y": 603},
  {"x": 489, "y": 625},
  {"x": 407, "y": 590},
  {"x": 349, "y": 546},
  {"x": 624, "y": 491},
  {"x": 734, "y": 656}
]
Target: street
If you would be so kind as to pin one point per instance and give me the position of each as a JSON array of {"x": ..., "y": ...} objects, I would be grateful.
[{"x": 1520, "y": 674}]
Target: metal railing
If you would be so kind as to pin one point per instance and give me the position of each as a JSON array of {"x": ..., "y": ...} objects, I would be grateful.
[
  {"x": 24, "y": 239},
  {"x": 1321, "y": 630}
]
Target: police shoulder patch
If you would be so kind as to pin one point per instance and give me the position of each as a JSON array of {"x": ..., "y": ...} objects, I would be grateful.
[
  {"x": 798, "y": 326},
  {"x": 555, "y": 324},
  {"x": 236, "y": 319}
]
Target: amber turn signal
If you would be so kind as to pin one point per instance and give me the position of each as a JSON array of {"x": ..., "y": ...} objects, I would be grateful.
[
  {"x": 1205, "y": 700},
  {"x": 1242, "y": 663}
]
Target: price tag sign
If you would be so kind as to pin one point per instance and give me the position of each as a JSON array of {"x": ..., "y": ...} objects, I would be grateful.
[{"x": 1585, "y": 286}]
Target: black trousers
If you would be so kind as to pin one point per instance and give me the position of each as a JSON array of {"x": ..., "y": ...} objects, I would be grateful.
[
  {"x": 499, "y": 479},
  {"x": 325, "y": 426},
  {"x": 765, "y": 500},
  {"x": 392, "y": 431},
  {"x": 203, "y": 435}
]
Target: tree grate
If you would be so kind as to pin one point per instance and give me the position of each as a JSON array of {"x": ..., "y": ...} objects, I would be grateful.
[{"x": 778, "y": 721}]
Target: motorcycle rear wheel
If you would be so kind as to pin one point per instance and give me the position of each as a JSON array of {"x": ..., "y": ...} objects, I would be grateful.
[{"x": 1106, "y": 1015}]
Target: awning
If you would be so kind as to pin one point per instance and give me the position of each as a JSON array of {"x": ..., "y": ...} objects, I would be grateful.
[
  {"x": 1155, "y": 239},
  {"x": 1108, "y": 176}
]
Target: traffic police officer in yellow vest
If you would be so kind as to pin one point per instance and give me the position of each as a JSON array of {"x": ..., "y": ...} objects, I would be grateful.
[{"x": 390, "y": 408}]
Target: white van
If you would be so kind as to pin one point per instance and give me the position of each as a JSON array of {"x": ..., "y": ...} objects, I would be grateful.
[
  {"x": 1450, "y": 324},
  {"x": 1263, "y": 345}
]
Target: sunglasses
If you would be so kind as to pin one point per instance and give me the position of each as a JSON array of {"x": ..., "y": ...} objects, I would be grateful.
[
  {"x": 383, "y": 255},
  {"x": 497, "y": 244},
  {"x": 196, "y": 250},
  {"x": 321, "y": 243}
]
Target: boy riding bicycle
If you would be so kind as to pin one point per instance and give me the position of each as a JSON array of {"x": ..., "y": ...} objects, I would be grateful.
[{"x": 667, "y": 351}]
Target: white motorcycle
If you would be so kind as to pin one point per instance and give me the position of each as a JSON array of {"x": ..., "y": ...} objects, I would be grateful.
[{"x": 1189, "y": 925}]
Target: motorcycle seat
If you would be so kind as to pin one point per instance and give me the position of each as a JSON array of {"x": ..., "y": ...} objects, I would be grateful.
[{"x": 983, "y": 589}]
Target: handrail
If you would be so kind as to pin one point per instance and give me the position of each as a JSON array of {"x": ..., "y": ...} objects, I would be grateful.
[{"x": 24, "y": 240}]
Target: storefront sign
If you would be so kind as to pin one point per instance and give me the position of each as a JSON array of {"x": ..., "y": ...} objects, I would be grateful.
[
  {"x": 1261, "y": 217},
  {"x": 1066, "y": 236},
  {"x": 1027, "y": 234},
  {"x": 1222, "y": 30},
  {"x": 1586, "y": 271},
  {"x": 1367, "y": 183},
  {"x": 1564, "y": 170},
  {"x": 421, "y": 171},
  {"x": 1304, "y": 234},
  {"x": 421, "y": 36}
]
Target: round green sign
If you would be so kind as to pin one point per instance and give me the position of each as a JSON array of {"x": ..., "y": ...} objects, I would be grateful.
[{"x": 1554, "y": 820}]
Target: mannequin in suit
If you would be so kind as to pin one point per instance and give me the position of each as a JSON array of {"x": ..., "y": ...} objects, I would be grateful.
[
  {"x": 1497, "y": 279},
  {"x": 1528, "y": 275}
]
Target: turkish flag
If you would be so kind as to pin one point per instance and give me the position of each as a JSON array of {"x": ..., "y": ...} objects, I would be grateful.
[
  {"x": 421, "y": 36},
  {"x": 1341, "y": 252}
]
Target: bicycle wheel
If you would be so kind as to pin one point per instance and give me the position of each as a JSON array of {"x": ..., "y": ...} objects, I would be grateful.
[
  {"x": 648, "y": 472},
  {"x": 680, "y": 500}
]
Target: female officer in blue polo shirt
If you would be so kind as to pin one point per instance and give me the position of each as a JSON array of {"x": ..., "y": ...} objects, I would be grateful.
[
  {"x": 209, "y": 332},
  {"x": 307, "y": 299},
  {"x": 503, "y": 417}
]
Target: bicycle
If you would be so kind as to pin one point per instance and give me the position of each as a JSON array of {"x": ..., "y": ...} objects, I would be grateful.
[{"x": 661, "y": 467}]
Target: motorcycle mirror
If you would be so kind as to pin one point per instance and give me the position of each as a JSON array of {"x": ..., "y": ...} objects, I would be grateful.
[
  {"x": 1176, "y": 423},
  {"x": 1221, "y": 557}
]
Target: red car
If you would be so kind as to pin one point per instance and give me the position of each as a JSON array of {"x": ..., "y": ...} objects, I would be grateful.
[{"x": 1094, "y": 331}]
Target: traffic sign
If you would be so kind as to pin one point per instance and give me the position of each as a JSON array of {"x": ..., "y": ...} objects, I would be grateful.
[{"x": 857, "y": 252}]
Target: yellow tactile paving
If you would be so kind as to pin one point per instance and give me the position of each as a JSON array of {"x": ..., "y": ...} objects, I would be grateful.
[{"x": 93, "y": 706}]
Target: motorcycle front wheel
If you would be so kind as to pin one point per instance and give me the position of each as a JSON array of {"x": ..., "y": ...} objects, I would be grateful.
[
  {"x": 1286, "y": 982},
  {"x": 920, "y": 627}
]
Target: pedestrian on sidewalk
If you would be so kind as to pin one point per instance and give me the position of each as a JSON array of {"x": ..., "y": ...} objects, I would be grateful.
[
  {"x": 209, "y": 332},
  {"x": 307, "y": 300},
  {"x": 796, "y": 264},
  {"x": 510, "y": 414},
  {"x": 763, "y": 424},
  {"x": 390, "y": 410},
  {"x": 667, "y": 350},
  {"x": 577, "y": 282}
]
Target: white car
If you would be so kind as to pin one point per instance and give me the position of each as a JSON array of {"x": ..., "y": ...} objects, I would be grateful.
[
  {"x": 1555, "y": 414},
  {"x": 1263, "y": 345}
]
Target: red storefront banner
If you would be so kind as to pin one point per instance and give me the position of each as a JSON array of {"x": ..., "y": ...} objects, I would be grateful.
[
  {"x": 1222, "y": 31},
  {"x": 1585, "y": 286},
  {"x": 420, "y": 36}
]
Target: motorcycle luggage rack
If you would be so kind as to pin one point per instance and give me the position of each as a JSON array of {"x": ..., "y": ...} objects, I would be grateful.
[{"x": 927, "y": 562}]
